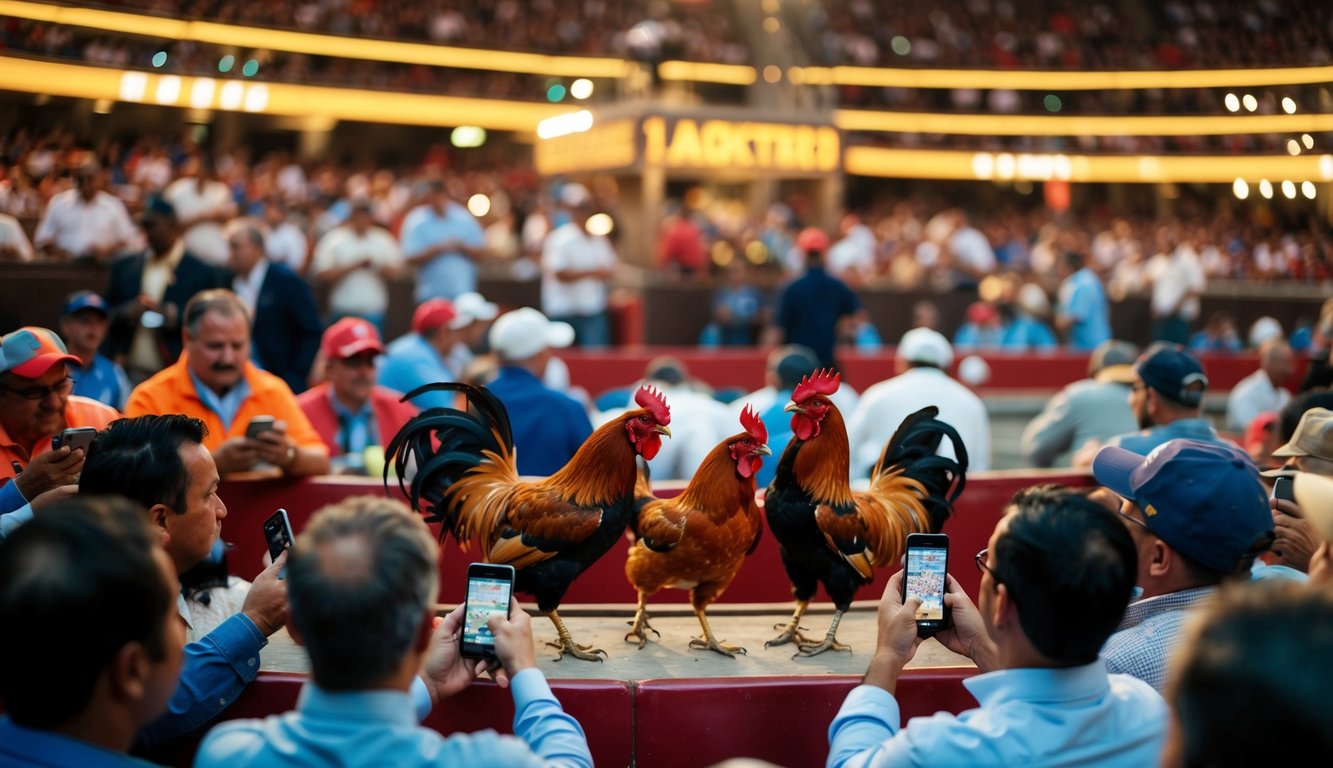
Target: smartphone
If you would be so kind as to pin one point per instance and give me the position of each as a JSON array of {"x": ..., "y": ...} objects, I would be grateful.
[
  {"x": 75, "y": 437},
  {"x": 278, "y": 533},
  {"x": 258, "y": 426},
  {"x": 1284, "y": 488},
  {"x": 488, "y": 590},
  {"x": 924, "y": 578}
]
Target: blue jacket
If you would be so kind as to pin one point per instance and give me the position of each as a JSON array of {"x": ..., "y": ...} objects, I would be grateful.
[
  {"x": 287, "y": 327},
  {"x": 549, "y": 426}
]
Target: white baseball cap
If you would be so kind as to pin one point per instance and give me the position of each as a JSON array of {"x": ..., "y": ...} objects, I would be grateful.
[
  {"x": 471, "y": 307},
  {"x": 522, "y": 333},
  {"x": 575, "y": 195},
  {"x": 922, "y": 345}
]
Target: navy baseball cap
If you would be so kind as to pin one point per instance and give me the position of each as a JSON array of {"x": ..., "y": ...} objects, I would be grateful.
[
  {"x": 1174, "y": 373},
  {"x": 1204, "y": 499},
  {"x": 84, "y": 300}
]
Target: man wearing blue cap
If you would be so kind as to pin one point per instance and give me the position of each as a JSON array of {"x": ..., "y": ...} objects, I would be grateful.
[
  {"x": 83, "y": 327},
  {"x": 1199, "y": 516},
  {"x": 1167, "y": 400}
]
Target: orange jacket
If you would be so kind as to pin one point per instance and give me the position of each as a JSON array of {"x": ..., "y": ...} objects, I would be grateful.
[
  {"x": 170, "y": 390},
  {"x": 79, "y": 412}
]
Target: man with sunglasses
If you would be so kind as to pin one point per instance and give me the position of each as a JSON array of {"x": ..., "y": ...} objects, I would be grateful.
[
  {"x": 36, "y": 404},
  {"x": 349, "y": 411}
]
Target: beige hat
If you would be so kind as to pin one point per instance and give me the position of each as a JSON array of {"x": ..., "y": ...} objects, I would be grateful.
[
  {"x": 1313, "y": 436},
  {"x": 1315, "y": 495}
]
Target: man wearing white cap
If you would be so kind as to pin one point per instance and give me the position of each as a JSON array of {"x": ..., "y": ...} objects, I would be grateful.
[
  {"x": 575, "y": 269},
  {"x": 548, "y": 426},
  {"x": 923, "y": 359},
  {"x": 472, "y": 318}
]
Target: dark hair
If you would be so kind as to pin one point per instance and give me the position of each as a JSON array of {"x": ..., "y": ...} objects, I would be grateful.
[
  {"x": 1069, "y": 564},
  {"x": 1255, "y": 663},
  {"x": 140, "y": 459},
  {"x": 1290, "y": 418},
  {"x": 1072, "y": 259},
  {"x": 358, "y": 607},
  {"x": 791, "y": 363},
  {"x": 213, "y": 300},
  {"x": 77, "y": 584}
]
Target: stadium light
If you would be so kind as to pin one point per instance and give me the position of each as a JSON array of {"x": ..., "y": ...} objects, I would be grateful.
[
  {"x": 1308, "y": 189},
  {"x": 479, "y": 205},
  {"x": 581, "y": 88},
  {"x": 1076, "y": 125},
  {"x": 1266, "y": 189},
  {"x": 1232, "y": 102},
  {"x": 1240, "y": 189},
  {"x": 1288, "y": 105},
  {"x": 1293, "y": 147},
  {"x": 1289, "y": 190},
  {"x": 1250, "y": 102}
]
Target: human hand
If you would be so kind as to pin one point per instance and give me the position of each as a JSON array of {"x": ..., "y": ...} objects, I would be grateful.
[
  {"x": 1295, "y": 541},
  {"x": 967, "y": 636},
  {"x": 266, "y": 602},
  {"x": 49, "y": 470},
  {"x": 274, "y": 447},
  {"x": 54, "y": 496},
  {"x": 513, "y": 640},
  {"x": 897, "y": 638},
  {"x": 446, "y": 671},
  {"x": 236, "y": 454}
]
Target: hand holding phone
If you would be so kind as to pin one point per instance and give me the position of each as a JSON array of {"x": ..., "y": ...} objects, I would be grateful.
[
  {"x": 278, "y": 533},
  {"x": 489, "y": 588},
  {"x": 258, "y": 426},
  {"x": 925, "y": 578},
  {"x": 75, "y": 438},
  {"x": 1284, "y": 488}
]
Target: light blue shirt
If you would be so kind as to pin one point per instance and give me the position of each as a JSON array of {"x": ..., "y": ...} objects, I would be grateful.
[
  {"x": 10, "y": 521},
  {"x": 411, "y": 361},
  {"x": 225, "y": 406},
  {"x": 451, "y": 273},
  {"x": 1083, "y": 298},
  {"x": 103, "y": 381},
  {"x": 30, "y": 748},
  {"x": 356, "y": 431},
  {"x": 1143, "y": 442},
  {"x": 374, "y": 728},
  {"x": 1028, "y": 333},
  {"x": 1028, "y": 717}
]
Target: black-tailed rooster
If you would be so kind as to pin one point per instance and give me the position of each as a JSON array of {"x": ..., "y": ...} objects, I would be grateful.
[
  {"x": 833, "y": 535},
  {"x": 551, "y": 529},
  {"x": 698, "y": 540}
]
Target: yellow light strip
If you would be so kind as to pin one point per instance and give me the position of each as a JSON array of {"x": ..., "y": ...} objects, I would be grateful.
[
  {"x": 693, "y": 71},
  {"x": 929, "y": 164},
  {"x": 1030, "y": 80},
  {"x": 1071, "y": 125},
  {"x": 85, "y": 82}
]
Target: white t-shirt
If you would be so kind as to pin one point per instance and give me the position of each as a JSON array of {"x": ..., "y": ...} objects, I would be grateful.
[
  {"x": 361, "y": 291},
  {"x": 884, "y": 406},
  {"x": 205, "y": 239},
  {"x": 76, "y": 227},
  {"x": 570, "y": 247},
  {"x": 287, "y": 245},
  {"x": 1252, "y": 396},
  {"x": 13, "y": 236},
  {"x": 1172, "y": 277}
]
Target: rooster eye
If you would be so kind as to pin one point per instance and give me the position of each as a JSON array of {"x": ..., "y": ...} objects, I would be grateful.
[{"x": 644, "y": 419}]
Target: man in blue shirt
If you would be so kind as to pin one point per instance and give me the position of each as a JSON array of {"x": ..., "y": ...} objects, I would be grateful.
[
  {"x": 1054, "y": 582},
  {"x": 1084, "y": 315},
  {"x": 549, "y": 426},
  {"x": 364, "y": 578},
  {"x": 83, "y": 326},
  {"x": 816, "y": 308},
  {"x": 91, "y": 641},
  {"x": 422, "y": 356},
  {"x": 443, "y": 241},
  {"x": 1167, "y": 400}
]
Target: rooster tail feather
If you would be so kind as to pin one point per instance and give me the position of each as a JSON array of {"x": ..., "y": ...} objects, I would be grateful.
[{"x": 911, "y": 453}]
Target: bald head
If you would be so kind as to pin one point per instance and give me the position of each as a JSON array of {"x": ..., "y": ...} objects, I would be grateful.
[{"x": 1277, "y": 360}]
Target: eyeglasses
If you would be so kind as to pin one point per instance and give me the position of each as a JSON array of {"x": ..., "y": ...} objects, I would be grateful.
[
  {"x": 1134, "y": 520},
  {"x": 982, "y": 556},
  {"x": 60, "y": 388}
]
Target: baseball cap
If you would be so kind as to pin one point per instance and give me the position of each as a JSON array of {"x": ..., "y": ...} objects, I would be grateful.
[
  {"x": 575, "y": 195},
  {"x": 1315, "y": 495},
  {"x": 1313, "y": 436},
  {"x": 793, "y": 362},
  {"x": 349, "y": 337},
  {"x": 522, "y": 333},
  {"x": 1204, "y": 499},
  {"x": 1113, "y": 360},
  {"x": 1174, "y": 373},
  {"x": 812, "y": 239},
  {"x": 471, "y": 307},
  {"x": 80, "y": 300},
  {"x": 31, "y": 351},
  {"x": 433, "y": 313},
  {"x": 982, "y": 312},
  {"x": 922, "y": 345}
]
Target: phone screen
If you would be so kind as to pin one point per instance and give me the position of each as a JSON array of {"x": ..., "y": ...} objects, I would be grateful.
[
  {"x": 485, "y": 597},
  {"x": 278, "y": 533},
  {"x": 925, "y": 580}
]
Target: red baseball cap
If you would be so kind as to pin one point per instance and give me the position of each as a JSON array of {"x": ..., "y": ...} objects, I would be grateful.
[
  {"x": 31, "y": 351},
  {"x": 349, "y": 337},
  {"x": 433, "y": 313},
  {"x": 812, "y": 239}
]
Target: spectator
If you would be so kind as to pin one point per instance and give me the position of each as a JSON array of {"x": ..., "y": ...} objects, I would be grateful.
[
  {"x": 285, "y": 320},
  {"x": 1263, "y": 329},
  {"x": 703, "y": 420},
  {"x": 1226, "y": 708},
  {"x": 217, "y": 383},
  {"x": 1084, "y": 315},
  {"x": 1177, "y": 281},
  {"x": 575, "y": 269},
  {"x": 1309, "y": 451},
  {"x": 680, "y": 247},
  {"x": 1167, "y": 400},
  {"x": 83, "y": 326},
  {"x": 548, "y": 425},
  {"x": 14, "y": 245},
  {"x": 1263, "y": 390},
  {"x": 74, "y": 697},
  {"x": 1199, "y": 516},
  {"x": 923, "y": 360},
  {"x": 739, "y": 309},
  {"x": 350, "y": 413},
  {"x": 421, "y": 357},
  {"x": 442, "y": 240},
  {"x": 852, "y": 258},
  {"x": 363, "y": 577},
  {"x": 355, "y": 260},
  {"x": 147, "y": 292},
  {"x": 85, "y": 222},
  {"x": 781, "y": 365},
  {"x": 472, "y": 319},
  {"x": 815, "y": 309},
  {"x": 1087, "y": 412},
  {"x": 160, "y": 463},
  {"x": 1261, "y": 439},
  {"x": 203, "y": 204},
  {"x": 982, "y": 329},
  {"x": 1219, "y": 335},
  {"x": 1045, "y": 696},
  {"x": 1028, "y": 331},
  {"x": 286, "y": 244}
]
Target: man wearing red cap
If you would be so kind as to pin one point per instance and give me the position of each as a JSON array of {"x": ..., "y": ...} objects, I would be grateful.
[
  {"x": 348, "y": 410},
  {"x": 36, "y": 404},
  {"x": 420, "y": 356}
]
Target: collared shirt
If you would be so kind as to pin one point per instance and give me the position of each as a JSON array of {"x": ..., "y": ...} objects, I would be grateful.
[
  {"x": 1083, "y": 298},
  {"x": 247, "y": 287},
  {"x": 1150, "y": 629},
  {"x": 356, "y": 429},
  {"x": 31, "y": 748},
  {"x": 569, "y": 247},
  {"x": 1144, "y": 441},
  {"x": 451, "y": 273},
  {"x": 1082, "y": 411},
  {"x": 157, "y": 275},
  {"x": 361, "y": 291},
  {"x": 1029, "y": 717},
  {"x": 287, "y": 244},
  {"x": 372, "y": 728},
  {"x": 810, "y": 308},
  {"x": 103, "y": 381},
  {"x": 411, "y": 361},
  {"x": 13, "y": 236},
  {"x": 77, "y": 227},
  {"x": 884, "y": 406},
  {"x": 79, "y": 412},
  {"x": 549, "y": 426},
  {"x": 204, "y": 239},
  {"x": 223, "y": 406},
  {"x": 1252, "y": 396}
]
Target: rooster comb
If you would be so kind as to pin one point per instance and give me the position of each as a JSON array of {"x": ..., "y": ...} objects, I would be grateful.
[
  {"x": 652, "y": 399},
  {"x": 754, "y": 425},
  {"x": 821, "y": 382}
]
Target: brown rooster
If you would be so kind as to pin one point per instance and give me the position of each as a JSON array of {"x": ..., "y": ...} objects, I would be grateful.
[
  {"x": 698, "y": 540},
  {"x": 550, "y": 530},
  {"x": 833, "y": 535}
]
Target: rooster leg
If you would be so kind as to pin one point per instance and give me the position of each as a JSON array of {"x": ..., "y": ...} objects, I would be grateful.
[
  {"x": 792, "y": 630},
  {"x": 640, "y": 623},
  {"x": 830, "y": 642},
  {"x": 567, "y": 644},
  {"x": 709, "y": 642}
]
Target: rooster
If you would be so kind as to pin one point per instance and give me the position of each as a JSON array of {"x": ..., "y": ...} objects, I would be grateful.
[
  {"x": 698, "y": 540},
  {"x": 833, "y": 535},
  {"x": 550, "y": 529}
]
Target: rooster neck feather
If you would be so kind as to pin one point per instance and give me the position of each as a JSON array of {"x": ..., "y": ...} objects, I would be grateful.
[
  {"x": 603, "y": 469},
  {"x": 823, "y": 463},
  {"x": 716, "y": 485}
]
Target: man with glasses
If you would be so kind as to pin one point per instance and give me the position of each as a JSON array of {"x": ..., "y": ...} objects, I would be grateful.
[
  {"x": 1055, "y": 578},
  {"x": 1199, "y": 516},
  {"x": 36, "y": 404},
  {"x": 1167, "y": 400}
]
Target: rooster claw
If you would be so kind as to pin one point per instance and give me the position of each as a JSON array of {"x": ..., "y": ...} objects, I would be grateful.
[
  {"x": 637, "y": 627},
  {"x": 585, "y": 652},
  {"x": 708, "y": 644},
  {"x": 808, "y": 649},
  {"x": 792, "y": 634}
]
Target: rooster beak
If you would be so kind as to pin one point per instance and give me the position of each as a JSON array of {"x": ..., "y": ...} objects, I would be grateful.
[
  {"x": 764, "y": 449},
  {"x": 793, "y": 408},
  {"x": 662, "y": 430}
]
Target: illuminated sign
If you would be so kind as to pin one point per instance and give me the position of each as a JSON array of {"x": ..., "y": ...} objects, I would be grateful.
[
  {"x": 597, "y": 147},
  {"x": 724, "y": 144}
]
